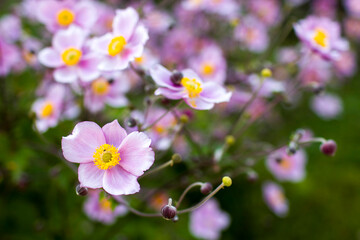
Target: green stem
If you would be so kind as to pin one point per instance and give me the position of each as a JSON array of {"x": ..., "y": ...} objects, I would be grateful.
[{"x": 186, "y": 191}]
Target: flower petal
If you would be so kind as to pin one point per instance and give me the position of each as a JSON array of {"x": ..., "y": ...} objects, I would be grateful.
[
  {"x": 114, "y": 133},
  {"x": 215, "y": 93},
  {"x": 90, "y": 175},
  {"x": 101, "y": 44},
  {"x": 50, "y": 58},
  {"x": 65, "y": 74},
  {"x": 124, "y": 22},
  {"x": 199, "y": 103},
  {"x": 135, "y": 153},
  {"x": 161, "y": 76},
  {"x": 72, "y": 37},
  {"x": 80, "y": 146},
  {"x": 117, "y": 181}
]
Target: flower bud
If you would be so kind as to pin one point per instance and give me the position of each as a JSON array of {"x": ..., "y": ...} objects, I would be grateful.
[
  {"x": 176, "y": 158},
  {"x": 266, "y": 73},
  {"x": 230, "y": 140},
  {"x": 168, "y": 211},
  {"x": 226, "y": 181},
  {"x": 292, "y": 148},
  {"x": 184, "y": 118},
  {"x": 81, "y": 191},
  {"x": 131, "y": 122},
  {"x": 328, "y": 147},
  {"x": 206, "y": 188},
  {"x": 176, "y": 77}
]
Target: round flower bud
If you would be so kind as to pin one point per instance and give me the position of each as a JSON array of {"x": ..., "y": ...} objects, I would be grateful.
[
  {"x": 176, "y": 158},
  {"x": 81, "y": 191},
  {"x": 176, "y": 77},
  {"x": 206, "y": 188},
  {"x": 266, "y": 73},
  {"x": 328, "y": 147},
  {"x": 230, "y": 140},
  {"x": 226, "y": 181},
  {"x": 168, "y": 212},
  {"x": 131, "y": 122},
  {"x": 184, "y": 118}
]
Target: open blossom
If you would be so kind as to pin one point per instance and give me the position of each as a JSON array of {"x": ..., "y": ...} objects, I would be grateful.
[
  {"x": 187, "y": 85},
  {"x": 268, "y": 11},
  {"x": 9, "y": 57},
  {"x": 124, "y": 44},
  {"x": 322, "y": 36},
  {"x": 252, "y": 34},
  {"x": 353, "y": 7},
  {"x": 327, "y": 106},
  {"x": 101, "y": 209},
  {"x": 70, "y": 56},
  {"x": 287, "y": 167},
  {"x": 48, "y": 109},
  {"x": 10, "y": 28},
  {"x": 109, "y": 158},
  {"x": 275, "y": 199},
  {"x": 208, "y": 221},
  {"x": 210, "y": 64},
  {"x": 62, "y": 14},
  {"x": 108, "y": 89}
]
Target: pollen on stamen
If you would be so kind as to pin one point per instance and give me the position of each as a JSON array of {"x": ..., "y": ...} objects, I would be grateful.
[{"x": 106, "y": 156}]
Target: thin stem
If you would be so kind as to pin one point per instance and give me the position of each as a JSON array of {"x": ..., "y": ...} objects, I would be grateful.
[
  {"x": 186, "y": 191},
  {"x": 156, "y": 169},
  {"x": 136, "y": 212},
  {"x": 314, "y": 140},
  {"x": 247, "y": 104},
  {"x": 162, "y": 116},
  {"x": 202, "y": 202}
]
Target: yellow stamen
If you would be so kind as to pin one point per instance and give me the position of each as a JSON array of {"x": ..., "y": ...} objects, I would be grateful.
[
  {"x": 139, "y": 60},
  {"x": 208, "y": 69},
  {"x": 100, "y": 86},
  {"x": 65, "y": 17},
  {"x": 192, "y": 86},
  {"x": 71, "y": 56},
  {"x": 116, "y": 45},
  {"x": 47, "y": 110},
  {"x": 105, "y": 205},
  {"x": 285, "y": 163},
  {"x": 106, "y": 156},
  {"x": 320, "y": 37},
  {"x": 159, "y": 129}
]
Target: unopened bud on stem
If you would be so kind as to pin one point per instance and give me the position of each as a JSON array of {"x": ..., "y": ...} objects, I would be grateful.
[
  {"x": 168, "y": 211},
  {"x": 81, "y": 191},
  {"x": 206, "y": 188},
  {"x": 328, "y": 147}
]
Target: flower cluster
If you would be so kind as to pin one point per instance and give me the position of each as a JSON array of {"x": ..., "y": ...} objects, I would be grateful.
[{"x": 153, "y": 69}]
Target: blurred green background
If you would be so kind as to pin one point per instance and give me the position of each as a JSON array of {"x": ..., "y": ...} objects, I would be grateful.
[{"x": 37, "y": 190}]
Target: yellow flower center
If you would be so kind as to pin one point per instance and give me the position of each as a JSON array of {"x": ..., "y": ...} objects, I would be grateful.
[
  {"x": 100, "y": 86},
  {"x": 208, "y": 69},
  {"x": 277, "y": 198},
  {"x": 105, "y": 205},
  {"x": 159, "y": 129},
  {"x": 65, "y": 17},
  {"x": 116, "y": 45},
  {"x": 71, "y": 56},
  {"x": 192, "y": 87},
  {"x": 285, "y": 163},
  {"x": 106, "y": 156},
  {"x": 139, "y": 60},
  {"x": 47, "y": 110},
  {"x": 320, "y": 37}
]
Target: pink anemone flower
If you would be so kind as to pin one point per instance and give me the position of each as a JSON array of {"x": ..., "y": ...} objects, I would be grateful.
[
  {"x": 108, "y": 157},
  {"x": 124, "y": 44},
  {"x": 70, "y": 56},
  {"x": 187, "y": 85},
  {"x": 274, "y": 197},
  {"x": 322, "y": 36},
  {"x": 62, "y": 14}
]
